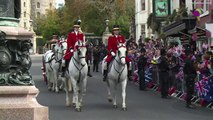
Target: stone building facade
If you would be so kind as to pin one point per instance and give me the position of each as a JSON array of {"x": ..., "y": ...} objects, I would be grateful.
[
  {"x": 30, "y": 10},
  {"x": 142, "y": 10}
]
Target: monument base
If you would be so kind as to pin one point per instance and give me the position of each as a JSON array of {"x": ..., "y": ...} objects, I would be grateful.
[{"x": 19, "y": 103}]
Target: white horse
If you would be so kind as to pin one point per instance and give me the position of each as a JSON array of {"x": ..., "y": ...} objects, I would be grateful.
[
  {"x": 53, "y": 61},
  {"x": 77, "y": 72},
  {"x": 117, "y": 74}
]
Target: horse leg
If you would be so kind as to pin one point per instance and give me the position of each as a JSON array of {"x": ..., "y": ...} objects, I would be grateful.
[
  {"x": 83, "y": 91},
  {"x": 109, "y": 97},
  {"x": 48, "y": 79},
  {"x": 50, "y": 84},
  {"x": 53, "y": 81},
  {"x": 67, "y": 93},
  {"x": 62, "y": 85},
  {"x": 55, "y": 77},
  {"x": 69, "y": 86},
  {"x": 75, "y": 95},
  {"x": 123, "y": 86},
  {"x": 114, "y": 89}
]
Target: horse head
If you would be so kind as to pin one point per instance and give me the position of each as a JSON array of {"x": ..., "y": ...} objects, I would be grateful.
[
  {"x": 60, "y": 50},
  {"x": 121, "y": 53},
  {"x": 80, "y": 52}
]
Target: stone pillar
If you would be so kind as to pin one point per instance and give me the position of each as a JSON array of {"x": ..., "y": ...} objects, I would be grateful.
[
  {"x": 19, "y": 103},
  {"x": 106, "y": 34}
]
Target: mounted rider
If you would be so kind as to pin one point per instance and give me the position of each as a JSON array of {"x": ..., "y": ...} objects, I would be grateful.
[
  {"x": 73, "y": 37},
  {"x": 112, "y": 49}
]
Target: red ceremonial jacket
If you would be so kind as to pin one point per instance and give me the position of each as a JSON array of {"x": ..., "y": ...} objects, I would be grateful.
[
  {"x": 71, "y": 40},
  {"x": 112, "y": 47},
  {"x": 112, "y": 43}
]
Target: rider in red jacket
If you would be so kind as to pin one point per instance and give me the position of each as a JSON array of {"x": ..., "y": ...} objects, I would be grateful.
[
  {"x": 73, "y": 37},
  {"x": 112, "y": 49}
]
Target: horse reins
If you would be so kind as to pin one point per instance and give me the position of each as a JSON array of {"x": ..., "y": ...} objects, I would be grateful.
[
  {"x": 79, "y": 69},
  {"x": 119, "y": 73}
]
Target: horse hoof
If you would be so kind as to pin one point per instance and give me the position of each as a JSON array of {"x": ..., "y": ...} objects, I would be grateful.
[
  {"x": 69, "y": 90},
  {"x": 49, "y": 89},
  {"x": 73, "y": 104},
  {"x": 115, "y": 106},
  {"x": 124, "y": 109},
  {"x": 78, "y": 109},
  {"x": 68, "y": 104},
  {"x": 109, "y": 100},
  {"x": 81, "y": 105},
  {"x": 60, "y": 89}
]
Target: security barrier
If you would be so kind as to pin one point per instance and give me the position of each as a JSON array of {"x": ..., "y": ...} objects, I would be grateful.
[{"x": 203, "y": 95}]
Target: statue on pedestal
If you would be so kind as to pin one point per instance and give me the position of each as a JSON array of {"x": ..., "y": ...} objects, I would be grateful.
[{"x": 15, "y": 44}]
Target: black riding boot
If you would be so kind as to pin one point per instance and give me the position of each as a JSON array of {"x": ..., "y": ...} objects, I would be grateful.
[
  {"x": 105, "y": 75},
  {"x": 130, "y": 75},
  {"x": 64, "y": 68},
  {"x": 63, "y": 71},
  {"x": 88, "y": 74}
]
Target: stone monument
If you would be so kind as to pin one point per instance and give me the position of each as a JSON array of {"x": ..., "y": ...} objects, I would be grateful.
[{"x": 17, "y": 90}]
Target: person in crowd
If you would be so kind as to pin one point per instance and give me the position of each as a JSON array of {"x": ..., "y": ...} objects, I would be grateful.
[
  {"x": 141, "y": 69},
  {"x": 103, "y": 52},
  {"x": 189, "y": 75},
  {"x": 89, "y": 58},
  {"x": 128, "y": 42},
  {"x": 163, "y": 73},
  {"x": 96, "y": 59},
  {"x": 205, "y": 46}
]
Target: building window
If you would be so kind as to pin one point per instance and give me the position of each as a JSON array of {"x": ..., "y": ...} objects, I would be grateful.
[
  {"x": 143, "y": 29},
  {"x": 24, "y": 4},
  {"x": 25, "y": 14},
  {"x": 38, "y": 4},
  {"x": 207, "y": 4},
  {"x": 25, "y": 25},
  {"x": 143, "y": 5},
  {"x": 38, "y": 14}
]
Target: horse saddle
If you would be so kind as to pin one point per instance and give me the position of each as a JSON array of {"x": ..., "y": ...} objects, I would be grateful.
[{"x": 109, "y": 66}]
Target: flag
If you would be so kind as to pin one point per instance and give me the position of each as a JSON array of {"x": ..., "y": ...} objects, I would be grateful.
[
  {"x": 148, "y": 74},
  {"x": 135, "y": 76},
  {"x": 201, "y": 88},
  {"x": 209, "y": 86}
]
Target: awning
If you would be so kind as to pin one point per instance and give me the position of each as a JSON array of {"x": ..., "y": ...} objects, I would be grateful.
[
  {"x": 183, "y": 25},
  {"x": 175, "y": 30}
]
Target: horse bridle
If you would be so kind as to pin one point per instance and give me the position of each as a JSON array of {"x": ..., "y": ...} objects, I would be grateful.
[
  {"x": 82, "y": 57},
  {"x": 82, "y": 66},
  {"x": 119, "y": 62},
  {"x": 62, "y": 53},
  {"x": 121, "y": 56}
]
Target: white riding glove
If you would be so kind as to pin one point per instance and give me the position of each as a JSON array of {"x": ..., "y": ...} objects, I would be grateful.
[
  {"x": 113, "y": 54},
  {"x": 71, "y": 50}
]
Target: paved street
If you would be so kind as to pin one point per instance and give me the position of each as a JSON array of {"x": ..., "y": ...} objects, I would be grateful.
[{"x": 141, "y": 105}]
